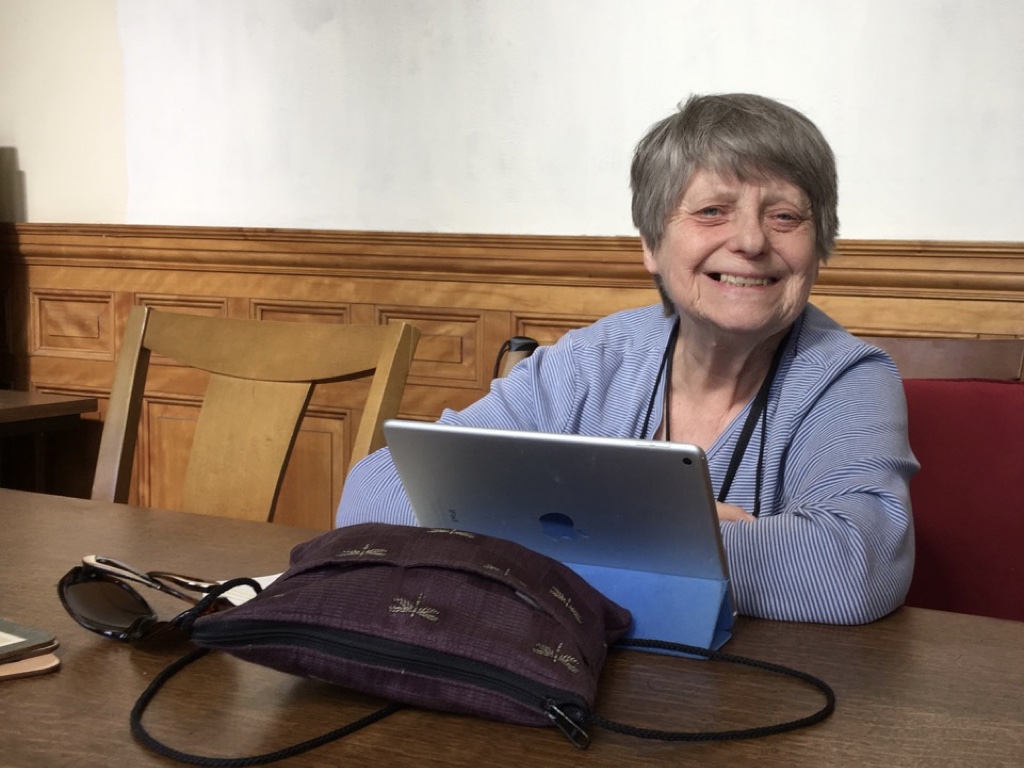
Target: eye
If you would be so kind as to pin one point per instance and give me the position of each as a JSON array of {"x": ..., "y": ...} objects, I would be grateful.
[
  {"x": 711, "y": 211},
  {"x": 784, "y": 220}
]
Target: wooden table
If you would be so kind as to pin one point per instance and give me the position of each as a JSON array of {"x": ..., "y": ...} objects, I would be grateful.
[
  {"x": 919, "y": 688},
  {"x": 35, "y": 413}
]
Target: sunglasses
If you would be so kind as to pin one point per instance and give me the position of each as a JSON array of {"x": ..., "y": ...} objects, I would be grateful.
[{"x": 99, "y": 595}]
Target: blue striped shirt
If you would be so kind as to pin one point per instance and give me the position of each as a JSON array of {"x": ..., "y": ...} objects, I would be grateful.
[{"x": 834, "y": 539}]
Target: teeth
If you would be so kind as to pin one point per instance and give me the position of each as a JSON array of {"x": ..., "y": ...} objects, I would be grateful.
[{"x": 744, "y": 282}]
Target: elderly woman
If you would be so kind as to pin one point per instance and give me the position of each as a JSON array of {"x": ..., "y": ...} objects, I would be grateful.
[{"x": 804, "y": 426}]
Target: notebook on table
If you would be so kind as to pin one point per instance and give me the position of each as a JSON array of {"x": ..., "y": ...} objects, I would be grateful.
[{"x": 636, "y": 518}]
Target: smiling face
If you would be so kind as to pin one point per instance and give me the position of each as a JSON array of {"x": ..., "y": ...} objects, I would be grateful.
[{"x": 737, "y": 257}]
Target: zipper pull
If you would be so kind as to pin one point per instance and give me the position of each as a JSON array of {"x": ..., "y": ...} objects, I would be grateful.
[{"x": 572, "y": 730}]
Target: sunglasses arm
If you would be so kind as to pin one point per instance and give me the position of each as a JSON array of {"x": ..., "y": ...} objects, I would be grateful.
[
  {"x": 123, "y": 571},
  {"x": 185, "y": 582}
]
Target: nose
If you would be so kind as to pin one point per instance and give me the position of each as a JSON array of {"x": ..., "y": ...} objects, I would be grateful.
[{"x": 748, "y": 237}]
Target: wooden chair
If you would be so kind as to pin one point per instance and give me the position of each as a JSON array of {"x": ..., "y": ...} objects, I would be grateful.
[
  {"x": 936, "y": 358},
  {"x": 516, "y": 348},
  {"x": 262, "y": 375}
]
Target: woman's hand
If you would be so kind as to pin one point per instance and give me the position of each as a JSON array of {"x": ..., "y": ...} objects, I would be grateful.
[{"x": 733, "y": 513}]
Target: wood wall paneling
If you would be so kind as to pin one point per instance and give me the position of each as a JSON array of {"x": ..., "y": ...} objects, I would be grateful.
[
  {"x": 71, "y": 323},
  {"x": 67, "y": 290},
  {"x": 312, "y": 485}
]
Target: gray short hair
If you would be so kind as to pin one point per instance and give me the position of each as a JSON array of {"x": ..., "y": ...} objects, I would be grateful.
[{"x": 737, "y": 134}]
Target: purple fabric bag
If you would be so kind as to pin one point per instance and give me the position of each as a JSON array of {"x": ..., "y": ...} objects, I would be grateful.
[
  {"x": 440, "y": 619},
  {"x": 435, "y": 618}
]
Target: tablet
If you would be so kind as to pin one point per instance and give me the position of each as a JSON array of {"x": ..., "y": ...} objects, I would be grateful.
[{"x": 617, "y": 502}]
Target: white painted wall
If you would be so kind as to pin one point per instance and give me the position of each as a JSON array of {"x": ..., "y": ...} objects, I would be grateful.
[
  {"x": 498, "y": 116},
  {"x": 62, "y": 142}
]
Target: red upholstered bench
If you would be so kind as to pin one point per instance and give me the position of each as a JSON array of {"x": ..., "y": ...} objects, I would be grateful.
[{"x": 968, "y": 499}]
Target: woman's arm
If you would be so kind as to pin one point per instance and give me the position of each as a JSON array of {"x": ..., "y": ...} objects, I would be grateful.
[{"x": 839, "y": 547}]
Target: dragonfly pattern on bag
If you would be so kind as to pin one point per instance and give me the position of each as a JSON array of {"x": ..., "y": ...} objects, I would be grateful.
[
  {"x": 403, "y": 605},
  {"x": 497, "y": 570},
  {"x": 453, "y": 532},
  {"x": 567, "y": 602},
  {"x": 555, "y": 654},
  {"x": 366, "y": 550}
]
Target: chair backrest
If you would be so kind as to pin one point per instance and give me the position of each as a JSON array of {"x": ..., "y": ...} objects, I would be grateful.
[
  {"x": 965, "y": 410},
  {"x": 935, "y": 358},
  {"x": 513, "y": 350},
  {"x": 262, "y": 375}
]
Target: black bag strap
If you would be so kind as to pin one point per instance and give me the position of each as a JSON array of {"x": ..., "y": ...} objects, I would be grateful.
[
  {"x": 231, "y": 762},
  {"x": 184, "y": 621},
  {"x": 723, "y": 735}
]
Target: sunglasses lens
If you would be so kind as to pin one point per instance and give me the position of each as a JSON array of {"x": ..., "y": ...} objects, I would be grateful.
[{"x": 107, "y": 606}]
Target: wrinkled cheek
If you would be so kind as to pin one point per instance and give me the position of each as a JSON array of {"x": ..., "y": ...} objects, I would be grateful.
[
  {"x": 671, "y": 283},
  {"x": 804, "y": 293},
  {"x": 697, "y": 296},
  {"x": 797, "y": 299}
]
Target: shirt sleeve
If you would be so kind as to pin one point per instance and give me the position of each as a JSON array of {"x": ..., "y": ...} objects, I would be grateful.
[{"x": 838, "y": 546}]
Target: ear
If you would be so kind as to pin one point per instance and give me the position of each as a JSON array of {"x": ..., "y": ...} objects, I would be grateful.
[{"x": 650, "y": 262}]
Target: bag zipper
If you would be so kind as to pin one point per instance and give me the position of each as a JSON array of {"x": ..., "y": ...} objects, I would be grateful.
[{"x": 555, "y": 703}]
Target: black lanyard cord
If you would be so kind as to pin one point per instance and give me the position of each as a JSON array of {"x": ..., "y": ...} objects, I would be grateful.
[
  {"x": 757, "y": 410},
  {"x": 666, "y": 365}
]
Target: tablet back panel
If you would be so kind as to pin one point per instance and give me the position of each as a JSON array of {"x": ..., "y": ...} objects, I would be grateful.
[{"x": 612, "y": 502}]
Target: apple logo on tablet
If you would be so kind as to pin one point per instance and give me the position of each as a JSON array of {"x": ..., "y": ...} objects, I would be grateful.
[{"x": 560, "y": 527}]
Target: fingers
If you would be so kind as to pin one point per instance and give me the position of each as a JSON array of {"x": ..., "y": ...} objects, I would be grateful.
[{"x": 733, "y": 513}]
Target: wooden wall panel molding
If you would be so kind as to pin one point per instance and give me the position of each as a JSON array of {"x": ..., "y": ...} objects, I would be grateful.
[
  {"x": 928, "y": 266},
  {"x": 208, "y": 306},
  {"x": 965, "y": 317},
  {"x": 547, "y": 329},
  {"x": 167, "y": 429},
  {"x": 72, "y": 324},
  {"x": 482, "y": 258},
  {"x": 67, "y": 290},
  {"x": 312, "y": 486},
  {"x": 447, "y": 352},
  {"x": 515, "y": 259},
  {"x": 301, "y": 311}
]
